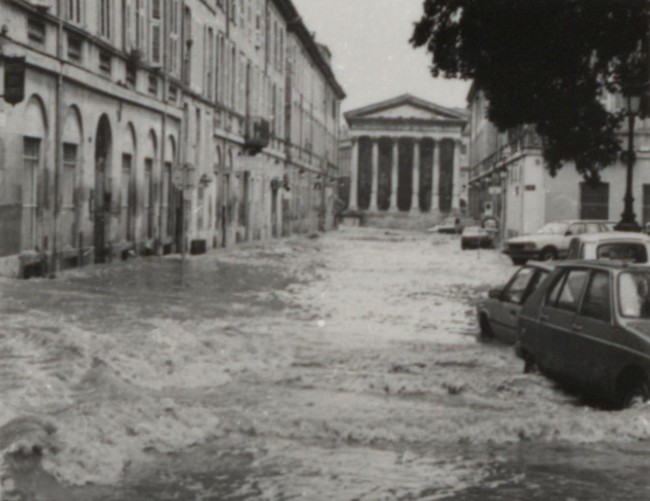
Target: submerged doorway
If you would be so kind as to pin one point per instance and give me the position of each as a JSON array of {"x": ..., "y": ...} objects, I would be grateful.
[{"x": 102, "y": 195}]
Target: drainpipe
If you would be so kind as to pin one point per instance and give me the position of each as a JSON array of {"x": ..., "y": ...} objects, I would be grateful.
[{"x": 58, "y": 147}]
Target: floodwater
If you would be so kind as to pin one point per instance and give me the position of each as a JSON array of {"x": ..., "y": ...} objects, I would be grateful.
[{"x": 340, "y": 368}]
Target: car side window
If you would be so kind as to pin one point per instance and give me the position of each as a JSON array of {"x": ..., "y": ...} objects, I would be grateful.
[
  {"x": 516, "y": 289},
  {"x": 554, "y": 291},
  {"x": 539, "y": 277},
  {"x": 593, "y": 227},
  {"x": 596, "y": 303},
  {"x": 569, "y": 296},
  {"x": 577, "y": 229}
]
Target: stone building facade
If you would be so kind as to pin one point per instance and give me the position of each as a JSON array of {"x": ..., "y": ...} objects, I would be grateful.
[
  {"x": 508, "y": 178},
  {"x": 150, "y": 126},
  {"x": 406, "y": 156}
]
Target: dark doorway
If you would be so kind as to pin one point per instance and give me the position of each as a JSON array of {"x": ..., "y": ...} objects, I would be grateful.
[
  {"x": 426, "y": 174},
  {"x": 405, "y": 174},
  {"x": 274, "y": 212},
  {"x": 384, "y": 173},
  {"x": 446, "y": 180},
  {"x": 102, "y": 194},
  {"x": 226, "y": 209},
  {"x": 364, "y": 173}
]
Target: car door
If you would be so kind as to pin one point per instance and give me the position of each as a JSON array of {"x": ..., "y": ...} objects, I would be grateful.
[
  {"x": 591, "y": 333},
  {"x": 505, "y": 311},
  {"x": 557, "y": 317}
]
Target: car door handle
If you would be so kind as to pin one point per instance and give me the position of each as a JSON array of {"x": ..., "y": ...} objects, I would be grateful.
[
  {"x": 543, "y": 317},
  {"x": 578, "y": 327}
]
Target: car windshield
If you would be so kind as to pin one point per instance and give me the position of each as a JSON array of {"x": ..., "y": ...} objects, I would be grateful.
[
  {"x": 634, "y": 294},
  {"x": 554, "y": 229}
]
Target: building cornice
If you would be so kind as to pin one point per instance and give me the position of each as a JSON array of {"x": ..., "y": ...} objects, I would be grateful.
[{"x": 295, "y": 25}]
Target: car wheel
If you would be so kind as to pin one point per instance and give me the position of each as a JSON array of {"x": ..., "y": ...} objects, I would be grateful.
[
  {"x": 485, "y": 328},
  {"x": 519, "y": 261},
  {"x": 548, "y": 254},
  {"x": 530, "y": 366},
  {"x": 635, "y": 394}
]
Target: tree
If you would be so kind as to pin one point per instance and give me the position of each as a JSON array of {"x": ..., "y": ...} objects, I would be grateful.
[{"x": 547, "y": 63}]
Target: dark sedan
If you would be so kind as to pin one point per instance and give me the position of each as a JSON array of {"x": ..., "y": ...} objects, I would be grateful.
[
  {"x": 588, "y": 325},
  {"x": 498, "y": 315}
]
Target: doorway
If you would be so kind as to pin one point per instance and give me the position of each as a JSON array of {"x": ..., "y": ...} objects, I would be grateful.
[{"x": 102, "y": 195}]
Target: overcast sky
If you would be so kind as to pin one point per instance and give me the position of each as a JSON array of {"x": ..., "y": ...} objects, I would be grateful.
[{"x": 372, "y": 58}]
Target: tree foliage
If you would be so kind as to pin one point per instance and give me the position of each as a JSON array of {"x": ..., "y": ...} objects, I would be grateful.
[{"x": 547, "y": 63}]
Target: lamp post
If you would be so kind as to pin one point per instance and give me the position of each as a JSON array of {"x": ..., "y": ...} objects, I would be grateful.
[{"x": 628, "y": 218}]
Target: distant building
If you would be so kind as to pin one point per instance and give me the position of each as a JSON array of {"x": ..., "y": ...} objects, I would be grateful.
[
  {"x": 508, "y": 178},
  {"x": 126, "y": 102},
  {"x": 405, "y": 155}
]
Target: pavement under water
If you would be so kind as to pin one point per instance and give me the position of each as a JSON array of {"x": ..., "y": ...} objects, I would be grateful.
[{"x": 345, "y": 367}]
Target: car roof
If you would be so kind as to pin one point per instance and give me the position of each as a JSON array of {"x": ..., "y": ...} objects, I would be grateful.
[
  {"x": 571, "y": 221},
  {"x": 543, "y": 265},
  {"x": 609, "y": 264},
  {"x": 614, "y": 236}
]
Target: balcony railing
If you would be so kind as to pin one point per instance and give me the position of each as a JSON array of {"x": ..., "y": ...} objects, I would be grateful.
[{"x": 524, "y": 141}]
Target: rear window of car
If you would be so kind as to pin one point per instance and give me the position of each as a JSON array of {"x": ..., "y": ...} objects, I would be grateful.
[{"x": 624, "y": 251}]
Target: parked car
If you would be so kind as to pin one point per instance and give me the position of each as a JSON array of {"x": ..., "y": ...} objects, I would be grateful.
[
  {"x": 588, "y": 325},
  {"x": 474, "y": 237},
  {"x": 498, "y": 315},
  {"x": 619, "y": 245},
  {"x": 552, "y": 240},
  {"x": 453, "y": 225}
]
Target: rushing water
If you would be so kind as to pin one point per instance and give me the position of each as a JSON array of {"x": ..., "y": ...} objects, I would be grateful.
[{"x": 340, "y": 368}]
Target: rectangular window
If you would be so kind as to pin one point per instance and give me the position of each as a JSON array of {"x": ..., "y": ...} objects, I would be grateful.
[
  {"x": 105, "y": 12},
  {"x": 153, "y": 85},
  {"x": 156, "y": 31},
  {"x": 173, "y": 52},
  {"x": 131, "y": 74},
  {"x": 73, "y": 11},
  {"x": 200, "y": 209},
  {"x": 36, "y": 31},
  {"x": 75, "y": 48},
  {"x": 594, "y": 201},
  {"x": 105, "y": 63}
]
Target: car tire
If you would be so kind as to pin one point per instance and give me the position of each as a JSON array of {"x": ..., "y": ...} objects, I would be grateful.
[
  {"x": 485, "y": 329},
  {"x": 530, "y": 365},
  {"x": 634, "y": 393},
  {"x": 548, "y": 254}
]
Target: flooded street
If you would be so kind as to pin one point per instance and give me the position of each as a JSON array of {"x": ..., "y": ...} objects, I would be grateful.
[{"x": 340, "y": 368}]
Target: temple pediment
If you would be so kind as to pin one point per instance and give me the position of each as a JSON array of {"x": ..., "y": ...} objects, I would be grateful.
[{"x": 405, "y": 107}]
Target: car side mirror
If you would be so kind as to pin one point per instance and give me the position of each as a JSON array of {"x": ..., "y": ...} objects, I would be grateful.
[{"x": 495, "y": 293}]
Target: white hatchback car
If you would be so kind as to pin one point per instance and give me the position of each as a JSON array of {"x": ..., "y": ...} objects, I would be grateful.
[
  {"x": 619, "y": 245},
  {"x": 552, "y": 240}
]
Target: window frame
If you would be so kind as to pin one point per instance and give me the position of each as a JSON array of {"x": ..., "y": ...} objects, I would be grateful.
[{"x": 590, "y": 280}]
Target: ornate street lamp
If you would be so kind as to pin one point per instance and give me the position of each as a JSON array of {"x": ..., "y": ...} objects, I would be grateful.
[{"x": 628, "y": 218}]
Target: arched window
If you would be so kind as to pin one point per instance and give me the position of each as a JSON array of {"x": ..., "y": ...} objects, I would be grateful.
[
  {"x": 35, "y": 178},
  {"x": 72, "y": 147}
]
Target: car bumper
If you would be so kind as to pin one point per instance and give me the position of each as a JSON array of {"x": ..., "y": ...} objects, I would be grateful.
[
  {"x": 476, "y": 242},
  {"x": 522, "y": 253}
]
